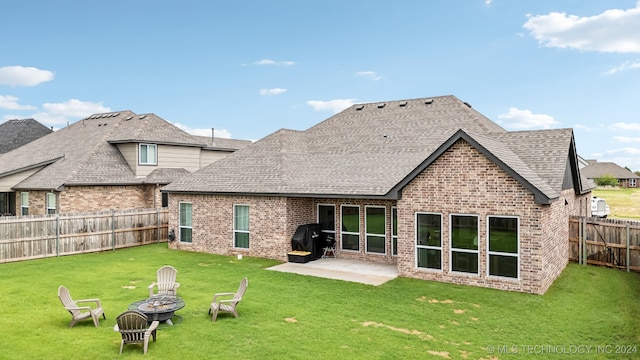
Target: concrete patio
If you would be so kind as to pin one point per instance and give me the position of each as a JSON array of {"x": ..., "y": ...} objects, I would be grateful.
[{"x": 343, "y": 269}]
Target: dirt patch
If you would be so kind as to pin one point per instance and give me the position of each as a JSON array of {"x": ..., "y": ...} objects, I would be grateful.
[
  {"x": 291, "y": 320},
  {"x": 458, "y": 311},
  {"x": 129, "y": 287},
  {"x": 443, "y": 354},
  {"x": 417, "y": 333}
]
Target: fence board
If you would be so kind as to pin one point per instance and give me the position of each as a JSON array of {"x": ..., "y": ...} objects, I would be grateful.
[
  {"x": 32, "y": 237},
  {"x": 605, "y": 242}
]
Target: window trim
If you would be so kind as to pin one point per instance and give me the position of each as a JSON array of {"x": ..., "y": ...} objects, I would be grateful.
[
  {"x": 146, "y": 162},
  {"x": 366, "y": 234},
  {"x": 237, "y": 231},
  {"x": 342, "y": 232},
  {"x": 452, "y": 249},
  {"x": 430, "y": 247},
  {"x": 394, "y": 237},
  {"x": 489, "y": 252},
  {"x": 180, "y": 226},
  {"x": 24, "y": 206},
  {"x": 48, "y": 207}
]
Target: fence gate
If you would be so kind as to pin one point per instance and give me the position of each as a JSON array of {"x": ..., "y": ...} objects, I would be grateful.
[{"x": 605, "y": 242}]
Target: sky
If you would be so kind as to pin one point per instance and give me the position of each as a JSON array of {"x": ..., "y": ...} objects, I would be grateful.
[{"x": 248, "y": 68}]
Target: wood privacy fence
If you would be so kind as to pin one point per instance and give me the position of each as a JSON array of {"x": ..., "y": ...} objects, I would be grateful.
[
  {"x": 32, "y": 237},
  {"x": 606, "y": 242}
]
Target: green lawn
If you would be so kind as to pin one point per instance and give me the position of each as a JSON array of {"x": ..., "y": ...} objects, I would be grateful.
[
  {"x": 624, "y": 203},
  {"x": 288, "y": 316}
]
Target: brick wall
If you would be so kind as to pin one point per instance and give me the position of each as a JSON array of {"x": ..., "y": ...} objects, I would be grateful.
[
  {"x": 100, "y": 198},
  {"x": 461, "y": 181}
]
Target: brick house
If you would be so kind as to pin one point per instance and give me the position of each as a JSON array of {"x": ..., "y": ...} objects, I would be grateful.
[
  {"x": 595, "y": 169},
  {"x": 430, "y": 185},
  {"x": 115, "y": 160}
]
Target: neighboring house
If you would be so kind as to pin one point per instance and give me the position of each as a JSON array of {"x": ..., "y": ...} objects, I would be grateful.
[
  {"x": 115, "y": 160},
  {"x": 428, "y": 184},
  {"x": 15, "y": 133},
  {"x": 595, "y": 169}
]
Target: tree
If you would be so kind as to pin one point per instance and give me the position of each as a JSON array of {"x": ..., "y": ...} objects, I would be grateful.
[{"x": 606, "y": 180}]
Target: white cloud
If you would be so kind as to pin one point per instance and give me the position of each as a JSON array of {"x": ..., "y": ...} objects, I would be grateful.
[
  {"x": 488, "y": 2},
  {"x": 627, "y": 156},
  {"x": 626, "y": 139},
  {"x": 273, "y": 62},
  {"x": 622, "y": 67},
  {"x": 219, "y": 133},
  {"x": 336, "y": 105},
  {"x": 625, "y": 126},
  {"x": 68, "y": 111},
  {"x": 24, "y": 76},
  {"x": 611, "y": 31},
  {"x": 274, "y": 91},
  {"x": 369, "y": 75},
  {"x": 11, "y": 103},
  {"x": 525, "y": 119}
]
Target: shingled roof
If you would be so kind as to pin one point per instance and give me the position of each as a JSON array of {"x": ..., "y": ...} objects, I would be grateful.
[
  {"x": 598, "y": 169},
  {"x": 373, "y": 150},
  {"x": 85, "y": 153},
  {"x": 15, "y": 133}
]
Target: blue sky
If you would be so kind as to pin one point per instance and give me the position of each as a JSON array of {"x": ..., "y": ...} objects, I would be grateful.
[{"x": 249, "y": 68}]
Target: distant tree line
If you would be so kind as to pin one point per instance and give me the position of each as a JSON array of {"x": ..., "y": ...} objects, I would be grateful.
[{"x": 606, "y": 180}]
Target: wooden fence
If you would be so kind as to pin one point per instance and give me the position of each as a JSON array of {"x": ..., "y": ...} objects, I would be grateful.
[
  {"x": 33, "y": 237},
  {"x": 606, "y": 242}
]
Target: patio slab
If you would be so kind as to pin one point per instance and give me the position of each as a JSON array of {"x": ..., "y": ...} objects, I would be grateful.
[{"x": 343, "y": 269}]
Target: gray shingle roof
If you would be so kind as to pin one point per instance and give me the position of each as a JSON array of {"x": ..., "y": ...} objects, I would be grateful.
[
  {"x": 15, "y": 133},
  {"x": 597, "y": 169},
  {"x": 369, "y": 150},
  {"x": 85, "y": 153}
]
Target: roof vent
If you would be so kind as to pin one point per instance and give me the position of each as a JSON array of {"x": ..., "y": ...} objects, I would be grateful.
[
  {"x": 466, "y": 103},
  {"x": 404, "y": 103},
  {"x": 128, "y": 118},
  {"x": 428, "y": 101},
  {"x": 360, "y": 107},
  {"x": 142, "y": 116},
  {"x": 380, "y": 106},
  {"x": 116, "y": 114}
]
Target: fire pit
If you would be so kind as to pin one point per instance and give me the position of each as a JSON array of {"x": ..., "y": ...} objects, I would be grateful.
[{"x": 160, "y": 308}]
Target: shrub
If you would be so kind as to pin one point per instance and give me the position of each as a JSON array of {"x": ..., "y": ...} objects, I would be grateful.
[{"x": 606, "y": 180}]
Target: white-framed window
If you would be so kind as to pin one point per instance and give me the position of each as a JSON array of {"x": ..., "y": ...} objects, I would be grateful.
[
  {"x": 186, "y": 222},
  {"x": 463, "y": 233},
  {"x": 632, "y": 182},
  {"x": 24, "y": 203},
  {"x": 148, "y": 154},
  {"x": 375, "y": 224},
  {"x": 394, "y": 231},
  {"x": 350, "y": 233},
  {"x": 503, "y": 245},
  {"x": 241, "y": 226},
  {"x": 51, "y": 203},
  {"x": 429, "y": 240},
  {"x": 327, "y": 218}
]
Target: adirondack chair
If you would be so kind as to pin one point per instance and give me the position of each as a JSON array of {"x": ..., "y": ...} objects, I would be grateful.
[
  {"x": 227, "y": 305},
  {"x": 132, "y": 326},
  {"x": 166, "y": 282},
  {"x": 80, "y": 312}
]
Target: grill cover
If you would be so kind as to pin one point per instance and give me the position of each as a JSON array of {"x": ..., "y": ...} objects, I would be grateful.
[{"x": 309, "y": 237}]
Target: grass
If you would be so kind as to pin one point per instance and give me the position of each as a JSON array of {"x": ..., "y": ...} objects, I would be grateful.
[
  {"x": 624, "y": 203},
  {"x": 289, "y": 316}
]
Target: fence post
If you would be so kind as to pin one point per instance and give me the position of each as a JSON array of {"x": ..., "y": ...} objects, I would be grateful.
[
  {"x": 628, "y": 247},
  {"x": 157, "y": 225},
  {"x": 580, "y": 240},
  {"x": 57, "y": 234},
  {"x": 113, "y": 230},
  {"x": 584, "y": 242}
]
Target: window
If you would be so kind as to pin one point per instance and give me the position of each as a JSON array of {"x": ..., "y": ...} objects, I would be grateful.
[
  {"x": 327, "y": 218},
  {"x": 375, "y": 224},
  {"x": 464, "y": 243},
  {"x": 241, "y": 226},
  {"x": 350, "y": 235},
  {"x": 394, "y": 231},
  {"x": 148, "y": 154},
  {"x": 7, "y": 203},
  {"x": 24, "y": 203},
  {"x": 186, "y": 221},
  {"x": 632, "y": 182},
  {"x": 429, "y": 241},
  {"x": 51, "y": 203},
  {"x": 503, "y": 241},
  {"x": 165, "y": 200}
]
